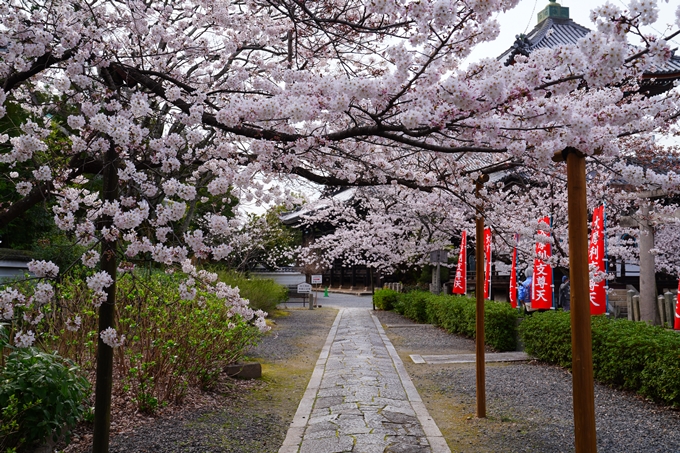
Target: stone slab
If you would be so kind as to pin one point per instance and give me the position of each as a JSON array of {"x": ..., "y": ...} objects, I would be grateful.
[
  {"x": 250, "y": 370},
  {"x": 489, "y": 357}
]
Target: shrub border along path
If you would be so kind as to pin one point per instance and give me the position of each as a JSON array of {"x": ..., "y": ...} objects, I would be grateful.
[
  {"x": 529, "y": 405},
  {"x": 626, "y": 354},
  {"x": 630, "y": 355}
]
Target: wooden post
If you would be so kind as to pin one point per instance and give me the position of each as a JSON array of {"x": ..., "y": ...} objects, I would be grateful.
[
  {"x": 660, "y": 302},
  {"x": 648, "y": 303},
  {"x": 581, "y": 339},
  {"x": 629, "y": 300},
  {"x": 670, "y": 309},
  {"x": 479, "y": 321}
]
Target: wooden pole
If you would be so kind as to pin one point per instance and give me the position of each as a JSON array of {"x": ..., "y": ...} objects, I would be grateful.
[
  {"x": 581, "y": 340},
  {"x": 479, "y": 321}
]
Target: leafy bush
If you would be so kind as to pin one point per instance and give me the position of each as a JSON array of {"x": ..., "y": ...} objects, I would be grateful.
[
  {"x": 413, "y": 305},
  {"x": 661, "y": 376},
  {"x": 457, "y": 314},
  {"x": 42, "y": 396},
  {"x": 626, "y": 354},
  {"x": 554, "y": 347},
  {"x": 500, "y": 325},
  {"x": 385, "y": 299},
  {"x": 170, "y": 343},
  {"x": 264, "y": 294}
]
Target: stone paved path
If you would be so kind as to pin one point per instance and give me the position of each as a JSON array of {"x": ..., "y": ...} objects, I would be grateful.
[{"x": 360, "y": 398}]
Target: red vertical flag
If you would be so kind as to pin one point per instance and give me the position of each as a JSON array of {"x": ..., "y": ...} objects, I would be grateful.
[
  {"x": 598, "y": 292},
  {"x": 677, "y": 310},
  {"x": 513, "y": 277},
  {"x": 487, "y": 259},
  {"x": 460, "y": 282},
  {"x": 542, "y": 284}
]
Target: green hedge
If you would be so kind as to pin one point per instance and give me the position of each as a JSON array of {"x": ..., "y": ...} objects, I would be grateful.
[
  {"x": 554, "y": 347},
  {"x": 457, "y": 314},
  {"x": 384, "y": 299},
  {"x": 413, "y": 305},
  {"x": 626, "y": 354}
]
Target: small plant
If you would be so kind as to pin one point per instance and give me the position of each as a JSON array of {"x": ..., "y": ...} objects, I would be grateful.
[
  {"x": 10, "y": 431},
  {"x": 42, "y": 396}
]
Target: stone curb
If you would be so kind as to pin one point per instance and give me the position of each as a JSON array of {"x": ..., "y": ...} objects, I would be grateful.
[
  {"x": 432, "y": 432},
  {"x": 297, "y": 428}
]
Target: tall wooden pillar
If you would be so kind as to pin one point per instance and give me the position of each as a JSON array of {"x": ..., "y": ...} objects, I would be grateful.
[
  {"x": 581, "y": 337},
  {"x": 480, "y": 374},
  {"x": 479, "y": 321}
]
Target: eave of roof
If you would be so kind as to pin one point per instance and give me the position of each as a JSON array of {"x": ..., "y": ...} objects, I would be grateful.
[{"x": 554, "y": 32}]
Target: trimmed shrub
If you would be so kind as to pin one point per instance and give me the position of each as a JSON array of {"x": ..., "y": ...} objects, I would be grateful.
[
  {"x": 500, "y": 326},
  {"x": 554, "y": 347},
  {"x": 626, "y": 354},
  {"x": 415, "y": 305},
  {"x": 385, "y": 299},
  {"x": 458, "y": 314},
  {"x": 661, "y": 376}
]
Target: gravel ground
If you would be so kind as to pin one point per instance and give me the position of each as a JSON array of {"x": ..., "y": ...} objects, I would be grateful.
[{"x": 529, "y": 405}]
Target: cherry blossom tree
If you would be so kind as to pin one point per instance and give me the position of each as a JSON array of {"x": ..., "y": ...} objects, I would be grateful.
[{"x": 136, "y": 109}]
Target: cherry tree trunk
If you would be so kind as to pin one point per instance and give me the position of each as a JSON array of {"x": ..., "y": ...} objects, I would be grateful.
[{"x": 104, "y": 384}]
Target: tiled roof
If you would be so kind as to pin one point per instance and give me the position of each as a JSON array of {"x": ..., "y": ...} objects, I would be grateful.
[
  {"x": 672, "y": 66},
  {"x": 553, "y": 32}
]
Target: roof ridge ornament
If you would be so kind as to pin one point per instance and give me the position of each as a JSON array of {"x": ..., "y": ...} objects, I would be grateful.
[{"x": 554, "y": 10}]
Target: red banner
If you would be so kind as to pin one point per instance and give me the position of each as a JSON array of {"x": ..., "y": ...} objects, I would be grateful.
[
  {"x": 513, "y": 277},
  {"x": 542, "y": 284},
  {"x": 487, "y": 261},
  {"x": 460, "y": 282},
  {"x": 677, "y": 310},
  {"x": 598, "y": 291}
]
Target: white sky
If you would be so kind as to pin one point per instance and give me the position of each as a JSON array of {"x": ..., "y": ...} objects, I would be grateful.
[{"x": 522, "y": 19}]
